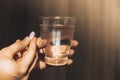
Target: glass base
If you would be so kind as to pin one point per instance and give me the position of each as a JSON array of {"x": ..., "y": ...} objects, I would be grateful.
[{"x": 56, "y": 61}]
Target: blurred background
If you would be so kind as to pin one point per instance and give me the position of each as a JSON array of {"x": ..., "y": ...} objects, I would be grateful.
[{"x": 97, "y": 57}]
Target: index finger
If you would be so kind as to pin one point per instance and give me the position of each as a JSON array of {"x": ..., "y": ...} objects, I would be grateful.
[
  {"x": 15, "y": 47},
  {"x": 41, "y": 42},
  {"x": 28, "y": 58}
]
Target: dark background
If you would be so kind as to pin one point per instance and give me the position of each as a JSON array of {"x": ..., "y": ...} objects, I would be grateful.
[{"x": 97, "y": 30}]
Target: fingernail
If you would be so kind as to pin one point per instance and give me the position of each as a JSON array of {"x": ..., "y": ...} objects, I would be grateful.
[{"x": 32, "y": 34}]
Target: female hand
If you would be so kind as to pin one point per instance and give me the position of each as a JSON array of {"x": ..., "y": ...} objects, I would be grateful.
[{"x": 18, "y": 59}]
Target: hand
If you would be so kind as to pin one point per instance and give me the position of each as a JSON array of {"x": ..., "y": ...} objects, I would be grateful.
[
  {"x": 42, "y": 43},
  {"x": 18, "y": 59}
]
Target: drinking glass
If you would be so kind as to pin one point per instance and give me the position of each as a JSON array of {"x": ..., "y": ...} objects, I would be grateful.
[{"x": 58, "y": 32}]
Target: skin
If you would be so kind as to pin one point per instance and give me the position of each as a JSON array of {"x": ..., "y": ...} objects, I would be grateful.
[
  {"x": 19, "y": 68},
  {"x": 20, "y": 58}
]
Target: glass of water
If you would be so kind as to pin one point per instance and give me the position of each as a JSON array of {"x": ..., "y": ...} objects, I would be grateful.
[{"x": 58, "y": 31}]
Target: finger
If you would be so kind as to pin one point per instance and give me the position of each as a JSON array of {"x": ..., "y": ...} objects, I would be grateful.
[
  {"x": 70, "y": 61},
  {"x": 28, "y": 57},
  {"x": 32, "y": 34},
  {"x": 17, "y": 40},
  {"x": 34, "y": 63},
  {"x": 41, "y": 42},
  {"x": 15, "y": 47},
  {"x": 71, "y": 52},
  {"x": 41, "y": 55},
  {"x": 17, "y": 56},
  {"x": 42, "y": 65},
  {"x": 41, "y": 51},
  {"x": 74, "y": 43}
]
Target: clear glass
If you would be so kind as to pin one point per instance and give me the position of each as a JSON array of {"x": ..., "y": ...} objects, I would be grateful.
[{"x": 58, "y": 31}]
